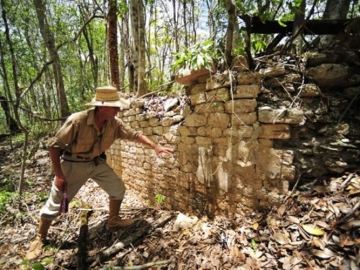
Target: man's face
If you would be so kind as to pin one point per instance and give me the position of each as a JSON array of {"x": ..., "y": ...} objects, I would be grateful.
[{"x": 108, "y": 112}]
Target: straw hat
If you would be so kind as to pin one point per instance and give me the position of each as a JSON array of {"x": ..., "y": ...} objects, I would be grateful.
[{"x": 108, "y": 96}]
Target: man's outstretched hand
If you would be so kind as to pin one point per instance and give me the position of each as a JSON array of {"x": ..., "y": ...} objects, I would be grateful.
[{"x": 159, "y": 150}]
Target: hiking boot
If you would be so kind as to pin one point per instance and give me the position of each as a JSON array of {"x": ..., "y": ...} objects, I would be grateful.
[
  {"x": 36, "y": 246},
  {"x": 115, "y": 223}
]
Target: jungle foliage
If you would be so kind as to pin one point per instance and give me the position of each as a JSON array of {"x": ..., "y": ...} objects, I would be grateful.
[{"x": 53, "y": 54}]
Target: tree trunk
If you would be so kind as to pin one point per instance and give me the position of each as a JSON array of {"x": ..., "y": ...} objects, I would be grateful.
[
  {"x": 175, "y": 21},
  {"x": 113, "y": 44},
  {"x": 138, "y": 33},
  {"x": 334, "y": 10},
  {"x": 49, "y": 40},
  {"x": 185, "y": 24},
  {"x": 142, "y": 85},
  {"x": 231, "y": 9},
  {"x": 89, "y": 43},
  {"x": 11, "y": 123},
  {"x": 122, "y": 55},
  {"x": 299, "y": 21},
  {"x": 134, "y": 52},
  {"x": 17, "y": 100}
]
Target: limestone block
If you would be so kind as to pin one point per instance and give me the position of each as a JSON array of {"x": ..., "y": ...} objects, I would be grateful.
[
  {"x": 219, "y": 120},
  {"x": 203, "y": 140},
  {"x": 170, "y": 103},
  {"x": 144, "y": 124},
  {"x": 265, "y": 143},
  {"x": 197, "y": 88},
  {"x": 131, "y": 118},
  {"x": 248, "y": 78},
  {"x": 168, "y": 121},
  {"x": 273, "y": 71},
  {"x": 158, "y": 130},
  {"x": 137, "y": 103},
  {"x": 172, "y": 139},
  {"x": 169, "y": 113},
  {"x": 247, "y": 91},
  {"x": 187, "y": 131},
  {"x": 210, "y": 107},
  {"x": 217, "y": 81},
  {"x": 275, "y": 164},
  {"x": 240, "y": 106},
  {"x": 239, "y": 132},
  {"x": 309, "y": 90},
  {"x": 148, "y": 131},
  {"x": 135, "y": 124},
  {"x": 221, "y": 94},
  {"x": 187, "y": 140},
  {"x": 283, "y": 115},
  {"x": 329, "y": 74},
  {"x": 132, "y": 111},
  {"x": 140, "y": 117},
  {"x": 241, "y": 119},
  {"x": 198, "y": 98},
  {"x": 202, "y": 131},
  {"x": 195, "y": 120},
  {"x": 275, "y": 131},
  {"x": 240, "y": 63},
  {"x": 154, "y": 122},
  {"x": 215, "y": 132}
]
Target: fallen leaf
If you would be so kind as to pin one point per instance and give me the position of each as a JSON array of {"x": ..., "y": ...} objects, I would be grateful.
[
  {"x": 324, "y": 254},
  {"x": 293, "y": 219},
  {"x": 281, "y": 238},
  {"x": 313, "y": 230}
]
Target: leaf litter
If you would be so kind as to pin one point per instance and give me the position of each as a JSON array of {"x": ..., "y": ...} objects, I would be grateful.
[{"x": 313, "y": 228}]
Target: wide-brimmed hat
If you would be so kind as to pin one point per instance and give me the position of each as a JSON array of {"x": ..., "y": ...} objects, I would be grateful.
[{"x": 108, "y": 96}]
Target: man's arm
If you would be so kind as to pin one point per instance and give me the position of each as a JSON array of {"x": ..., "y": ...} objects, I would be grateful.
[
  {"x": 55, "y": 154},
  {"x": 157, "y": 147}
]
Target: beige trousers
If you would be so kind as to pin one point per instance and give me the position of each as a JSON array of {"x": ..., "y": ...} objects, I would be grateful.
[{"x": 76, "y": 174}]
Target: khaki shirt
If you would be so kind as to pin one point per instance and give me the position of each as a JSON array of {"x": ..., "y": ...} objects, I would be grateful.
[{"x": 80, "y": 136}]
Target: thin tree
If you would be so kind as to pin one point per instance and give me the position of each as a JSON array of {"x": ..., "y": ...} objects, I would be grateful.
[
  {"x": 137, "y": 16},
  {"x": 49, "y": 40},
  {"x": 113, "y": 44},
  {"x": 335, "y": 9}
]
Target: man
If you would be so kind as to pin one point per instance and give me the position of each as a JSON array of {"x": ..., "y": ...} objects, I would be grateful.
[{"x": 77, "y": 154}]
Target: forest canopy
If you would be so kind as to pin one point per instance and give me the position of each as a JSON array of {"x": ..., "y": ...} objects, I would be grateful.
[{"x": 53, "y": 54}]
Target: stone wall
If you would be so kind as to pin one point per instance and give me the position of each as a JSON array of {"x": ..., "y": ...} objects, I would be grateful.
[
  {"x": 326, "y": 87},
  {"x": 224, "y": 156}
]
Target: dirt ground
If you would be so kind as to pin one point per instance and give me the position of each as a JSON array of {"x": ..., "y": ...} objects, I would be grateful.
[{"x": 317, "y": 226}]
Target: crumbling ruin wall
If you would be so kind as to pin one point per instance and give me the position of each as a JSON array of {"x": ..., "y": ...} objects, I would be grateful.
[
  {"x": 240, "y": 138},
  {"x": 224, "y": 156},
  {"x": 326, "y": 87}
]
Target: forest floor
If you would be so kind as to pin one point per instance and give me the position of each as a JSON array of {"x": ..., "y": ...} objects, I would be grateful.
[{"x": 317, "y": 226}]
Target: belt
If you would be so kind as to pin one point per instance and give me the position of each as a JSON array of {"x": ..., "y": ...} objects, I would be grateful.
[{"x": 74, "y": 158}]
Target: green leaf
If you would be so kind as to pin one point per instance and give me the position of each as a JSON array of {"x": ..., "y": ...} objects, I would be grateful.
[
  {"x": 253, "y": 244},
  {"x": 37, "y": 266},
  {"x": 313, "y": 230}
]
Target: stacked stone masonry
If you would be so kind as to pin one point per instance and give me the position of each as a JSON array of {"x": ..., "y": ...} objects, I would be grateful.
[{"x": 224, "y": 156}]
